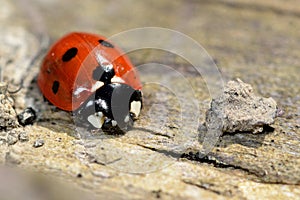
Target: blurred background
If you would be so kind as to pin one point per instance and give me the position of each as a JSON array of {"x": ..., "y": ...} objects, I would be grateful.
[{"x": 242, "y": 36}]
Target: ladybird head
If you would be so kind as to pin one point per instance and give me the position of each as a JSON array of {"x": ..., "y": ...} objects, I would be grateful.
[{"x": 113, "y": 108}]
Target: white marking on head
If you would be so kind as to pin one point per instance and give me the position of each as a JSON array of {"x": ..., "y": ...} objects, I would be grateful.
[
  {"x": 126, "y": 120},
  {"x": 117, "y": 79},
  {"x": 102, "y": 103},
  {"x": 114, "y": 123},
  {"x": 96, "y": 121},
  {"x": 135, "y": 107},
  {"x": 97, "y": 85}
]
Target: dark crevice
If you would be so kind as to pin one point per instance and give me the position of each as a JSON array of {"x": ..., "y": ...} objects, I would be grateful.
[
  {"x": 165, "y": 152},
  {"x": 266, "y": 130},
  {"x": 152, "y": 132},
  {"x": 213, "y": 160},
  {"x": 209, "y": 160}
]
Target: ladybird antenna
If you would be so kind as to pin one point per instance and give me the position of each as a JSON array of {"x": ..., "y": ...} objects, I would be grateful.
[
  {"x": 44, "y": 43},
  {"x": 17, "y": 90}
]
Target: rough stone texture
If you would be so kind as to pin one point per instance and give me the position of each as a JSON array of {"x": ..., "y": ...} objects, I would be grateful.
[
  {"x": 8, "y": 116},
  {"x": 257, "y": 41},
  {"x": 240, "y": 110}
]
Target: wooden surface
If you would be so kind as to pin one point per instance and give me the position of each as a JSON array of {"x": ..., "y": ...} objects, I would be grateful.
[{"x": 255, "y": 41}]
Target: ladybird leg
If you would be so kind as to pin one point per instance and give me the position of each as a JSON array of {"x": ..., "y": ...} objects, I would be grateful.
[
  {"x": 88, "y": 116},
  {"x": 113, "y": 108},
  {"x": 96, "y": 120},
  {"x": 111, "y": 126},
  {"x": 96, "y": 112},
  {"x": 114, "y": 101},
  {"x": 122, "y": 106}
]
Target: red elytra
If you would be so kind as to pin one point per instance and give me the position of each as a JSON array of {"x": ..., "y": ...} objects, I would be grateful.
[{"x": 68, "y": 67}]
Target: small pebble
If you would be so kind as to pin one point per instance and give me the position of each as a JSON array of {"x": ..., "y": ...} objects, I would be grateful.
[
  {"x": 27, "y": 117},
  {"x": 11, "y": 140},
  {"x": 38, "y": 143},
  {"x": 13, "y": 135},
  {"x": 23, "y": 137}
]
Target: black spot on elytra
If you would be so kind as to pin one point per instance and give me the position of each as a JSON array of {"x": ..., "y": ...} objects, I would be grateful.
[
  {"x": 70, "y": 53},
  {"x": 104, "y": 74},
  {"x": 106, "y": 44},
  {"x": 55, "y": 87}
]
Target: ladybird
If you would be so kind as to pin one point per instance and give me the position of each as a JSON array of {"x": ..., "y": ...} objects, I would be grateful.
[{"x": 90, "y": 76}]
